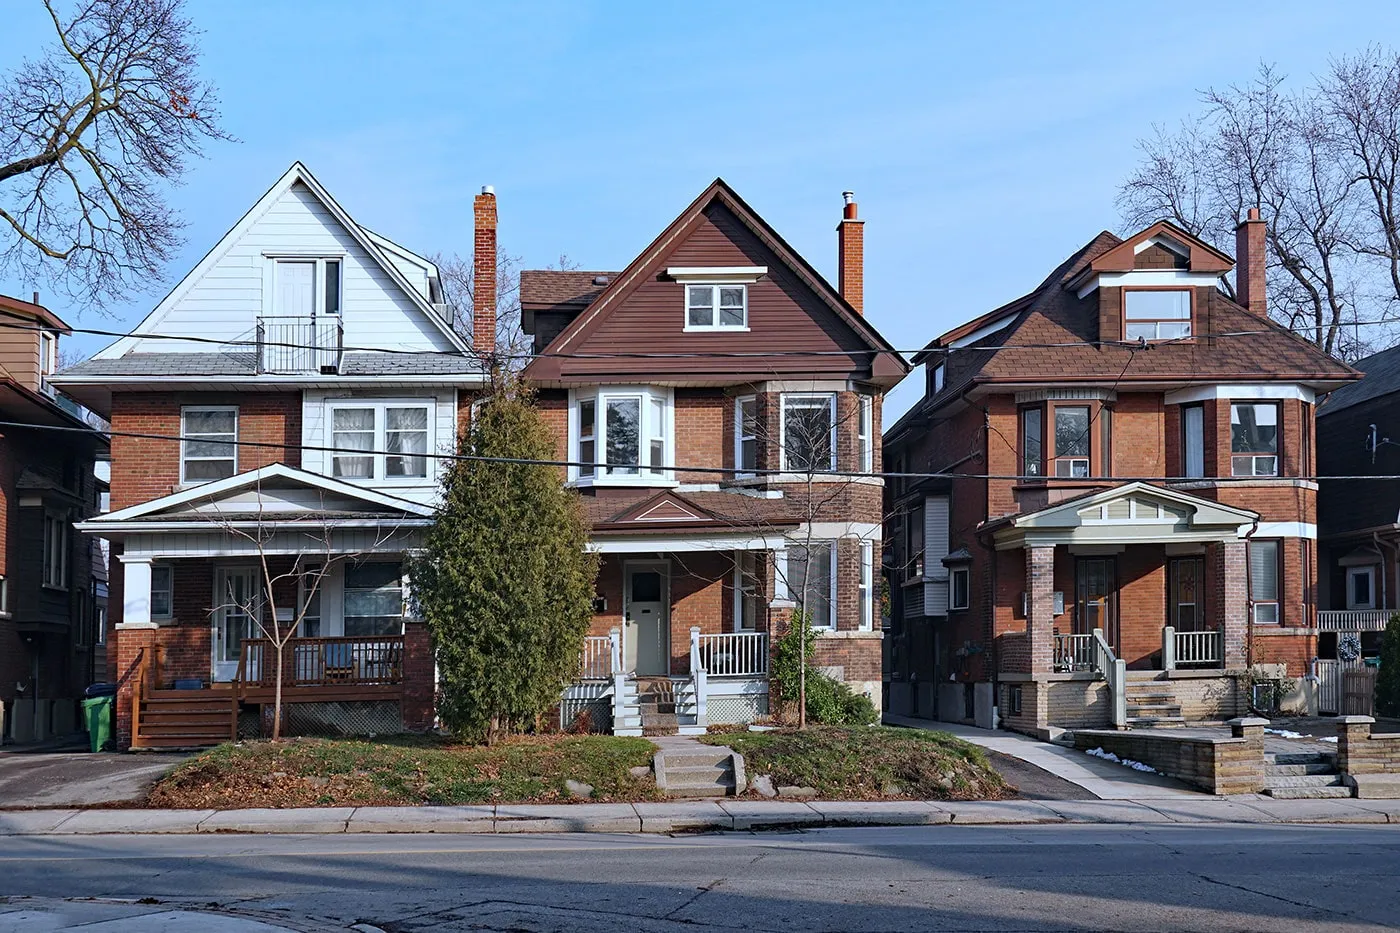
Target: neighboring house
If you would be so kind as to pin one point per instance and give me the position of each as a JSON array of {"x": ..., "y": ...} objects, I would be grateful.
[
  {"x": 718, "y": 402},
  {"x": 309, "y": 366},
  {"x": 1358, "y": 435},
  {"x": 1129, "y": 512},
  {"x": 50, "y": 647}
]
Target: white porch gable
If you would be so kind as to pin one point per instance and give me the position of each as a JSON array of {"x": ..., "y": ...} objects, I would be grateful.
[{"x": 1134, "y": 513}]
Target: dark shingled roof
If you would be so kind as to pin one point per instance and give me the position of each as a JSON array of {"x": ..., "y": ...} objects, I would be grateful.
[
  {"x": 1382, "y": 378},
  {"x": 728, "y": 509},
  {"x": 245, "y": 364},
  {"x": 548, "y": 288}
]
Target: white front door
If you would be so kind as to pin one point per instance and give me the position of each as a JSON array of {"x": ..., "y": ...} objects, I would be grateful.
[
  {"x": 646, "y": 634},
  {"x": 236, "y": 597}
]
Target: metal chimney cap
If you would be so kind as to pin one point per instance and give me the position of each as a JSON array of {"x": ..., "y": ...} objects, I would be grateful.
[
  {"x": 848, "y": 197},
  {"x": 488, "y": 189}
]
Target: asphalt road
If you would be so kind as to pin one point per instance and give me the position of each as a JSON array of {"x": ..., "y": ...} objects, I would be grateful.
[{"x": 1076, "y": 877}]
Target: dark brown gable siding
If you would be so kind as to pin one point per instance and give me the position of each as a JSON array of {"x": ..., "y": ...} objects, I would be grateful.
[{"x": 783, "y": 314}]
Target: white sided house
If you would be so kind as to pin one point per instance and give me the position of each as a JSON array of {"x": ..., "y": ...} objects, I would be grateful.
[{"x": 275, "y": 417}]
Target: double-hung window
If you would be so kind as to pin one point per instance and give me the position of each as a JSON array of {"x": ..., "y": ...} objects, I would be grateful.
[
  {"x": 374, "y": 598},
  {"x": 162, "y": 591},
  {"x": 867, "y": 586},
  {"x": 1254, "y": 439},
  {"x": 716, "y": 307},
  {"x": 809, "y": 432},
  {"x": 209, "y": 449},
  {"x": 1032, "y": 442},
  {"x": 1072, "y": 440},
  {"x": 1361, "y": 587},
  {"x": 622, "y": 434},
  {"x": 381, "y": 440},
  {"x": 748, "y": 591},
  {"x": 746, "y": 434},
  {"x": 1156, "y": 313},
  {"x": 811, "y": 581},
  {"x": 56, "y": 548},
  {"x": 1264, "y": 582}
]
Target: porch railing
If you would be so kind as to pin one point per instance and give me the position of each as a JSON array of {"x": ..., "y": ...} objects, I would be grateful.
[
  {"x": 300, "y": 344},
  {"x": 1353, "y": 620},
  {"x": 362, "y": 660},
  {"x": 1073, "y": 653},
  {"x": 1115, "y": 672},
  {"x": 596, "y": 660},
  {"x": 1192, "y": 649},
  {"x": 734, "y": 654}
]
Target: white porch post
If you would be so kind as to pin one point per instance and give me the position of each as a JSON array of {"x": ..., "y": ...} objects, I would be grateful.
[{"x": 136, "y": 593}]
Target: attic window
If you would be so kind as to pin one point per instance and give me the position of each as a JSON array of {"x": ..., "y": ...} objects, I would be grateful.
[
  {"x": 716, "y": 307},
  {"x": 1156, "y": 313}
]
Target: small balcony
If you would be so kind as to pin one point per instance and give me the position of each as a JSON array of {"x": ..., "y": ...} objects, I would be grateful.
[{"x": 297, "y": 345}]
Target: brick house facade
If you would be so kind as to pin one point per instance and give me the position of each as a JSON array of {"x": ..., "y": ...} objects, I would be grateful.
[{"x": 1122, "y": 514}]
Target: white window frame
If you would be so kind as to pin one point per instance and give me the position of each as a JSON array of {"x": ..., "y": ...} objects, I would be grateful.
[
  {"x": 745, "y": 590},
  {"x": 318, "y": 282},
  {"x": 1370, "y": 574},
  {"x": 168, "y": 571},
  {"x": 867, "y": 586},
  {"x": 1193, "y": 420},
  {"x": 954, "y": 574},
  {"x": 782, "y": 589},
  {"x": 378, "y": 453},
  {"x": 185, "y": 436},
  {"x": 1256, "y": 458},
  {"x": 1273, "y": 606},
  {"x": 830, "y": 398},
  {"x": 4, "y": 597},
  {"x": 57, "y": 555},
  {"x": 938, "y": 379},
  {"x": 99, "y": 621},
  {"x": 740, "y": 438},
  {"x": 715, "y": 316},
  {"x": 865, "y": 433},
  {"x": 602, "y": 475}
]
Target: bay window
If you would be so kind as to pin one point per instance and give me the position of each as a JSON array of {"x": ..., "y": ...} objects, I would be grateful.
[
  {"x": 1156, "y": 313},
  {"x": 867, "y": 586},
  {"x": 1193, "y": 441},
  {"x": 1032, "y": 442},
  {"x": 1072, "y": 440},
  {"x": 56, "y": 548},
  {"x": 1254, "y": 439},
  {"x": 809, "y": 432},
  {"x": 381, "y": 440},
  {"x": 621, "y": 435},
  {"x": 865, "y": 436}
]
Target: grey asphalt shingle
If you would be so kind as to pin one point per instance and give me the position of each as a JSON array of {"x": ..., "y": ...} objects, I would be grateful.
[
  {"x": 1382, "y": 378},
  {"x": 245, "y": 364}
]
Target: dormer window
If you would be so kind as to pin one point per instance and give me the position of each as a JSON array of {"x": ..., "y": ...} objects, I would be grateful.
[
  {"x": 716, "y": 307},
  {"x": 1156, "y": 313}
]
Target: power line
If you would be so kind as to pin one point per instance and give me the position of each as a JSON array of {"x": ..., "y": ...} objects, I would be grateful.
[{"x": 732, "y": 471}]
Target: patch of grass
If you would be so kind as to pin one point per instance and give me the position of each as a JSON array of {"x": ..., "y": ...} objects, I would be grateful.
[
  {"x": 407, "y": 771},
  {"x": 868, "y": 763}
]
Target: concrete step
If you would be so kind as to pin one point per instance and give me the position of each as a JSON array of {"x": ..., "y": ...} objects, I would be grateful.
[
  {"x": 1307, "y": 793},
  {"x": 1156, "y": 720},
  {"x": 697, "y": 759},
  {"x": 1317, "y": 767},
  {"x": 1297, "y": 758},
  {"x": 628, "y": 722},
  {"x": 1153, "y": 709},
  {"x": 702, "y": 790},
  {"x": 1305, "y": 780},
  {"x": 699, "y": 774}
]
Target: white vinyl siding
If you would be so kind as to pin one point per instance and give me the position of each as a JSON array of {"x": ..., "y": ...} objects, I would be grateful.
[{"x": 225, "y": 302}]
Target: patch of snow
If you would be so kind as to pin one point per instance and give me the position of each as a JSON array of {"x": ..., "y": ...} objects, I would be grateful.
[
  {"x": 1330, "y": 738},
  {"x": 1286, "y": 734},
  {"x": 1125, "y": 762}
]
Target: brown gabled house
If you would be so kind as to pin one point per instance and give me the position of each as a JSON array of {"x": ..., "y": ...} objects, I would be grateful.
[
  {"x": 719, "y": 404},
  {"x": 1126, "y": 522}
]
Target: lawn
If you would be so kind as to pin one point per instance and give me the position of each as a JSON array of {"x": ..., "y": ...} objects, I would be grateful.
[
  {"x": 868, "y": 763},
  {"x": 407, "y": 771}
]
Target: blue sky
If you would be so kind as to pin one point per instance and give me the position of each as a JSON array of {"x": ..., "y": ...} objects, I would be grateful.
[{"x": 984, "y": 141}]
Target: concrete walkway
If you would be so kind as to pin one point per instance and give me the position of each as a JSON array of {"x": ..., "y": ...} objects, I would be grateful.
[
  {"x": 694, "y": 815},
  {"x": 49, "y": 915},
  {"x": 1104, "y": 779}
]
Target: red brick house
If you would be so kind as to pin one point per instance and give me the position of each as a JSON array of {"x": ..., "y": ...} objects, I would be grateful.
[
  {"x": 274, "y": 417},
  {"x": 719, "y": 405},
  {"x": 51, "y": 646},
  {"x": 1124, "y": 517}
]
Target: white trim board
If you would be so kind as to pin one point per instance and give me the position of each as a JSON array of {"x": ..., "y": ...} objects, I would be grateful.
[
  {"x": 1281, "y": 530},
  {"x": 642, "y": 544},
  {"x": 1241, "y": 392}
]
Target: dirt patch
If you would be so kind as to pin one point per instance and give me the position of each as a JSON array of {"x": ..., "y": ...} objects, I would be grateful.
[{"x": 1032, "y": 783}]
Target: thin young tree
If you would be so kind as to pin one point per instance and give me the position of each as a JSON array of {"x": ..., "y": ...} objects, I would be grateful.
[
  {"x": 505, "y": 582},
  {"x": 92, "y": 130}
]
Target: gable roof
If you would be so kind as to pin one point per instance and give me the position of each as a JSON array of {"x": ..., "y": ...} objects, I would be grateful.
[
  {"x": 886, "y": 364},
  {"x": 1051, "y": 335},
  {"x": 1201, "y": 256},
  {"x": 297, "y": 173},
  {"x": 565, "y": 290},
  {"x": 646, "y": 511},
  {"x": 1381, "y": 373}
]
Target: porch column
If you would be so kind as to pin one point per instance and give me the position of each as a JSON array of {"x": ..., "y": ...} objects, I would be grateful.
[
  {"x": 418, "y": 687},
  {"x": 130, "y": 636},
  {"x": 136, "y": 592},
  {"x": 1040, "y": 606},
  {"x": 1230, "y": 580}
]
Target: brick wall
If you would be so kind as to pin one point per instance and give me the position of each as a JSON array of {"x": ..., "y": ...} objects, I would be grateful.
[{"x": 145, "y": 468}]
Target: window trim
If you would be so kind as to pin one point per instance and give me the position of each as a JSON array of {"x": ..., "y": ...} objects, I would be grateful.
[
  {"x": 1098, "y": 436},
  {"x": 1200, "y": 411},
  {"x": 784, "y": 398},
  {"x": 865, "y": 588},
  {"x": 1190, "y": 320},
  {"x": 379, "y": 446},
  {"x": 781, "y": 583},
  {"x": 740, "y": 437},
  {"x": 739, "y": 590},
  {"x": 318, "y": 260},
  {"x": 865, "y": 432},
  {"x": 185, "y": 437},
  {"x": 4, "y": 597},
  {"x": 915, "y": 560},
  {"x": 1053, "y": 461},
  {"x": 1277, "y": 455},
  {"x": 169, "y": 570},
  {"x": 602, "y": 475},
  {"x": 1369, "y": 571},
  {"x": 346, "y": 589},
  {"x": 716, "y": 318},
  {"x": 60, "y": 581},
  {"x": 954, "y": 573},
  {"x": 1036, "y": 468}
]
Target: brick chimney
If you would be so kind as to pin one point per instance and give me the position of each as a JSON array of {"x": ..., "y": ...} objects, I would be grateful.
[
  {"x": 484, "y": 273},
  {"x": 1249, "y": 263},
  {"x": 850, "y": 247}
]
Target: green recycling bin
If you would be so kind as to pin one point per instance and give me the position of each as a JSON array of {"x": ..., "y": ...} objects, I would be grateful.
[{"x": 97, "y": 711}]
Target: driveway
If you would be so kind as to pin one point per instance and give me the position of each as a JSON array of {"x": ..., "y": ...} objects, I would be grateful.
[{"x": 56, "y": 777}]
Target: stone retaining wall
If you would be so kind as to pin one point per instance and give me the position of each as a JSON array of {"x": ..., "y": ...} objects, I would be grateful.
[
  {"x": 1370, "y": 762},
  {"x": 1232, "y": 765}
]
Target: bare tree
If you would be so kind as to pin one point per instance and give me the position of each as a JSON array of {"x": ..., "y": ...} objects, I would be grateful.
[
  {"x": 90, "y": 131},
  {"x": 458, "y": 275}
]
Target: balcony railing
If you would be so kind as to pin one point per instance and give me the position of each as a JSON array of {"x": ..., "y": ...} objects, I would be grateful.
[
  {"x": 297, "y": 345},
  {"x": 734, "y": 654},
  {"x": 1353, "y": 620}
]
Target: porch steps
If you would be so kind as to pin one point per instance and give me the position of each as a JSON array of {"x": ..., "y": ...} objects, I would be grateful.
[
  {"x": 698, "y": 772},
  {"x": 1150, "y": 704},
  {"x": 1303, "y": 776},
  {"x": 184, "y": 719},
  {"x": 627, "y": 714},
  {"x": 657, "y": 703}
]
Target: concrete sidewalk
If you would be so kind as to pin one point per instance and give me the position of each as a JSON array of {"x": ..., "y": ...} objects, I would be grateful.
[
  {"x": 694, "y": 815},
  {"x": 1103, "y": 779}
]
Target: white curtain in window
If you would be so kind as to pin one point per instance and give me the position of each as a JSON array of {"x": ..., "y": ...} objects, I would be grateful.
[
  {"x": 353, "y": 429},
  {"x": 1193, "y": 437}
]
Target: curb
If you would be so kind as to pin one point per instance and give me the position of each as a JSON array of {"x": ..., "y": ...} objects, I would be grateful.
[{"x": 694, "y": 816}]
